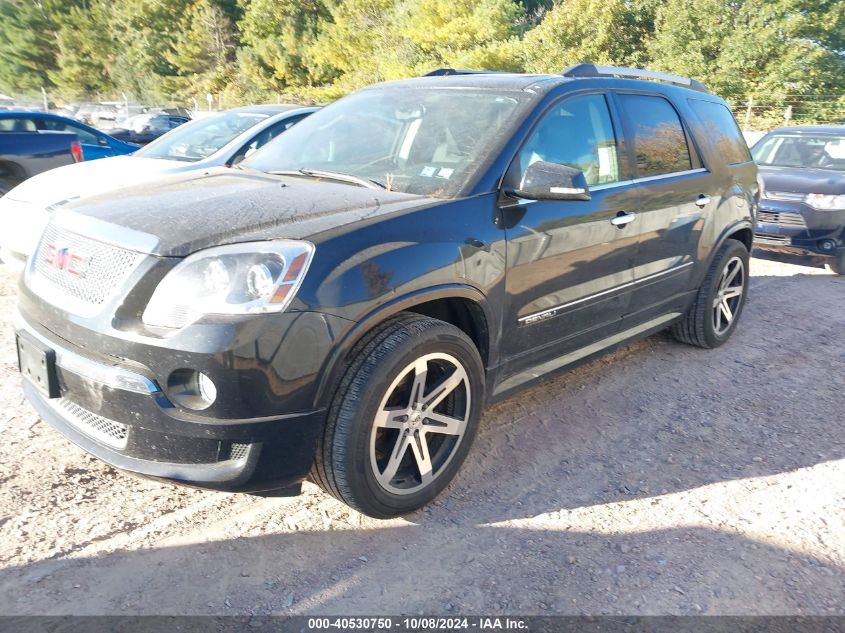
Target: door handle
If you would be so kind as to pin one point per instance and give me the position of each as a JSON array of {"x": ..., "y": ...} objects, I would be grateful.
[
  {"x": 702, "y": 201},
  {"x": 622, "y": 219}
]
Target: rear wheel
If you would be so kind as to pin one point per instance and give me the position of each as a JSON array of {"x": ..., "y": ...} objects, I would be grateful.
[
  {"x": 403, "y": 418},
  {"x": 714, "y": 314},
  {"x": 837, "y": 264}
]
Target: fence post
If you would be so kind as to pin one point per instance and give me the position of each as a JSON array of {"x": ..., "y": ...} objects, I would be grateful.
[{"x": 748, "y": 112}]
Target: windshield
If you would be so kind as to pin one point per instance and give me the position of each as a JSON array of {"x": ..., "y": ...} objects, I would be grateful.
[
  {"x": 428, "y": 142},
  {"x": 201, "y": 138},
  {"x": 789, "y": 150}
]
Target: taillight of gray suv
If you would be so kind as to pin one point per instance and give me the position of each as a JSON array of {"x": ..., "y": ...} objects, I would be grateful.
[{"x": 345, "y": 303}]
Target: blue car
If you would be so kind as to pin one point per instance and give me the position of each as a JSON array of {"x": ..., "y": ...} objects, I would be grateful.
[{"x": 95, "y": 144}]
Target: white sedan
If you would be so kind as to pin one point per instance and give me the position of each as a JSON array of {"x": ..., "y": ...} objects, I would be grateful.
[{"x": 222, "y": 139}]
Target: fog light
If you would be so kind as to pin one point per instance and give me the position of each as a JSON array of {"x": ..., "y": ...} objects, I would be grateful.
[
  {"x": 208, "y": 391},
  {"x": 191, "y": 389},
  {"x": 827, "y": 245}
]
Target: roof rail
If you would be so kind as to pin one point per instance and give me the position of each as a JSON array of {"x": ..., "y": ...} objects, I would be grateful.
[
  {"x": 593, "y": 70},
  {"x": 442, "y": 72}
]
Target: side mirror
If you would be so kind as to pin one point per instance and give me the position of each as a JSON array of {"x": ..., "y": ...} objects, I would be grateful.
[{"x": 550, "y": 181}]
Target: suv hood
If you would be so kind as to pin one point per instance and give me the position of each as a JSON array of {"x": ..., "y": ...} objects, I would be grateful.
[
  {"x": 799, "y": 180},
  {"x": 189, "y": 212}
]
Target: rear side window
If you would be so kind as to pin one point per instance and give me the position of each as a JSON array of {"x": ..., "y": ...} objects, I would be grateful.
[
  {"x": 722, "y": 130},
  {"x": 17, "y": 125},
  {"x": 654, "y": 128},
  {"x": 53, "y": 125}
]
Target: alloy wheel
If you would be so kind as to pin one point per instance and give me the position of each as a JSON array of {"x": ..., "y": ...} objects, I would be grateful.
[
  {"x": 728, "y": 295},
  {"x": 420, "y": 423}
]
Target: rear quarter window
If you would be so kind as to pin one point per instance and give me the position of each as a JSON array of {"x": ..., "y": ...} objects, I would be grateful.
[
  {"x": 722, "y": 130},
  {"x": 17, "y": 124},
  {"x": 660, "y": 144}
]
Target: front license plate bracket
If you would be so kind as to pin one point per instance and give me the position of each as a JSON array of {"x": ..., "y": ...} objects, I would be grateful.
[{"x": 37, "y": 364}]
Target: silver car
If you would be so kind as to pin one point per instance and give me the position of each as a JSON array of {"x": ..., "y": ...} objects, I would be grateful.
[{"x": 216, "y": 140}]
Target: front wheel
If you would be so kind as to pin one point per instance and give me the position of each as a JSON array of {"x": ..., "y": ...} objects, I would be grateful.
[
  {"x": 403, "y": 418},
  {"x": 714, "y": 314}
]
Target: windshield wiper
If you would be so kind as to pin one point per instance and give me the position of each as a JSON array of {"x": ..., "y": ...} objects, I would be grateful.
[{"x": 332, "y": 175}]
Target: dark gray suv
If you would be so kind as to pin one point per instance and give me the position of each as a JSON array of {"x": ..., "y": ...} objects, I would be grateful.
[{"x": 345, "y": 302}]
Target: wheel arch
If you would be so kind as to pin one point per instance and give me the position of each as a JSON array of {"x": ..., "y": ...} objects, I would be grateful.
[
  {"x": 461, "y": 305},
  {"x": 742, "y": 231},
  {"x": 11, "y": 172},
  {"x": 744, "y": 234}
]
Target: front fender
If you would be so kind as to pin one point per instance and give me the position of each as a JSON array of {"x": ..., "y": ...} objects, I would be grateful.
[{"x": 339, "y": 358}]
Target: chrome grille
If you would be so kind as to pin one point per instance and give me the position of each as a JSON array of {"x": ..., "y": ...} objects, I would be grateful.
[
  {"x": 782, "y": 218},
  {"x": 101, "y": 269},
  {"x": 772, "y": 239},
  {"x": 785, "y": 195},
  {"x": 238, "y": 450},
  {"x": 96, "y": 426}
]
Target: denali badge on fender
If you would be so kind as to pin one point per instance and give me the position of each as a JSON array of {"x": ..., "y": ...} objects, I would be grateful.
[{"x": 342, "y": 304}]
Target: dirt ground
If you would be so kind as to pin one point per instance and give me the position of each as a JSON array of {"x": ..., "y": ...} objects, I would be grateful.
[{"x": 662, "y": 479}]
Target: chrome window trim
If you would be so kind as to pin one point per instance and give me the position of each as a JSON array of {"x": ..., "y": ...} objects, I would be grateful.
[
  {"x": 610, "y": 185},
  {"x": 636, "y": 181},
  {"x": 530, "y": 318},
  {"x": 685, "y": 172},
  {"x": 106, "y": 375}
]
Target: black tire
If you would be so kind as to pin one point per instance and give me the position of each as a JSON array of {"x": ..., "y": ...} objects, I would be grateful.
[
  {"x": 346, "y": 462},
  {"x": 837, "y": 264},
  {"x": 699, "y": 326},
  {"x": 5, "y": 187}
]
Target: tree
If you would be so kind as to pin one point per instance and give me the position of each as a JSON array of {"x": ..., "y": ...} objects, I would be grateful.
[
  {"x": 275, "y": 38},
  {"x": 464, "y": 33},
  {"x": 597, "y": 31},
  {"x": 145, "y": 33},
  {"x": 27, "y": 45},
  {"x": 202, "y": 51},
  {"x": 770, "y": 49},
  {"x": 375, "y": 40},
  {"x": 84, "y": 49}
]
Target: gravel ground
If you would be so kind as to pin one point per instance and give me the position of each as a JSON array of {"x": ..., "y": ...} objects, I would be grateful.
[{"x": 661, "y": 479}]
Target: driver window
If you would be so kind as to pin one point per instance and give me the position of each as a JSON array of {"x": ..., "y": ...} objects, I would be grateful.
[{"x": 577, "y": 133}]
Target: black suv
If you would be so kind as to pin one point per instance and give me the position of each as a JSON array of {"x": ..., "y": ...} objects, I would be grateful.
[{"x": 346, "y": 301}]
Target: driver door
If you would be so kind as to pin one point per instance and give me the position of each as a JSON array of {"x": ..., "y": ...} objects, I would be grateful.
[{"x": 570, "y": 268}]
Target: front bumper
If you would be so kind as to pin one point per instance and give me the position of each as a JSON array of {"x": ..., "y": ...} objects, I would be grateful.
[
  {"x": 119, "y": 413},
  {"x": 794, "y": 227}
]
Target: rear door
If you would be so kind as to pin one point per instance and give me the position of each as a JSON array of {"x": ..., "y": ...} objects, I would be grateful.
[
  {"x": 676, "y": 195},
  {"x": 569, "y": 269}
]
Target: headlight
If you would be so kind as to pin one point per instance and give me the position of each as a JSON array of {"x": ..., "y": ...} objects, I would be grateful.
[
  {"x": 824, "y": 201},
  {"x": 250, "y": 278}
]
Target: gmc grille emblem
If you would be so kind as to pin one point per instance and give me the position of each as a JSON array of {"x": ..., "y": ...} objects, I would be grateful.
[{"x": 63, "y": 258}]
